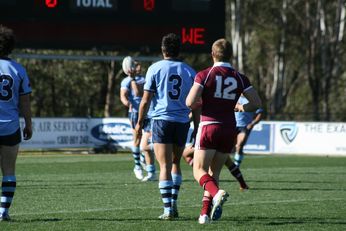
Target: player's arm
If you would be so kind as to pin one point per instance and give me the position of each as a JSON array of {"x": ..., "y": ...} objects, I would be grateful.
[
  {"x": 144, "y": 106},
  {"x": 257, "y": 118},
  {"x": 196, "y": 115},
  {"x": 194, "y": 102},
  {"x": 25, "y": 109},
  {"x": 193, "y": 99},
  {"x": 142, "y": 113},
  {"x": 124, "y": 97},
  {"x": 254, "y": 103}
]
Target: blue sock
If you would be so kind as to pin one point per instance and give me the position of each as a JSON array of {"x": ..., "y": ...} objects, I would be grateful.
[
  {"x": 150, "y": 169},
  {"x": 8, "y": 187},
  {"x": 165, "y": 187},
  {"x": 177, "y": 180},
  {"x": 136, "y": 156}
]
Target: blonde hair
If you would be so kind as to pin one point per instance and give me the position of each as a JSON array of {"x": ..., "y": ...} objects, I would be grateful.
[{"x": 222, "y": 50}]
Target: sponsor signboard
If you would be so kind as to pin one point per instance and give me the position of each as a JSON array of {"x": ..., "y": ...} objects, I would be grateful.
[
  {"x": 309, "y": 138},
  {"x": 58, "y": 133},
  {"x": 306, "y": 138},
  {"x": 259, "y": 140},
  {"x": 116, "y": 131}
]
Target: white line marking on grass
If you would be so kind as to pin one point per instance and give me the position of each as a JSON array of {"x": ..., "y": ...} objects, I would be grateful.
[{"x": 158, "y": 207}]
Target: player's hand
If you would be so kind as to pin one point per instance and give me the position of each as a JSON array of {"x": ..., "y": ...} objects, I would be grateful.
[{"x": 27, "y": 133}]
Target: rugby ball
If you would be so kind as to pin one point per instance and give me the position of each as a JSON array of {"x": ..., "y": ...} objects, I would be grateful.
[{"x": 128, "y": 65}]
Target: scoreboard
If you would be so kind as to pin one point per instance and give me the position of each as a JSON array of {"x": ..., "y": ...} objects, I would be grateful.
[{"x": 136, "y": 25}]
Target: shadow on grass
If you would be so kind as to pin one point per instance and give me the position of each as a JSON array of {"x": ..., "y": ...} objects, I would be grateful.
[
  {"x": 239, "y": 221},
  {"x": 278, "y": 221},
  {"x": 107, "y": 185},
  {"x": 36, "y": 220},
  {"x": 104, "y": 219}
]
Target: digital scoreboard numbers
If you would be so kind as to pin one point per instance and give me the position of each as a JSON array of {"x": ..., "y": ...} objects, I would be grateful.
[{"x": 113, "y": 24}]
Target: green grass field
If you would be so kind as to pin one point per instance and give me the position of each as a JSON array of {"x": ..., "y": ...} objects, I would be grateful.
[{"x": 100, "y": 192}]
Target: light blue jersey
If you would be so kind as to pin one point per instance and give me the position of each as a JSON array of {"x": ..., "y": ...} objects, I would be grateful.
[
  {"x": 134, "y": 100},
  {"x": 14, "y": 82},
  {"x": 170, "y": 81},
  {"x": 244, "y": 118},
  {"x": 151, "y": 110}
]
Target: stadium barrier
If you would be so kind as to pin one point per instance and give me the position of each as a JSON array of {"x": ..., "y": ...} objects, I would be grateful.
[{"x": 304, "y": 138}]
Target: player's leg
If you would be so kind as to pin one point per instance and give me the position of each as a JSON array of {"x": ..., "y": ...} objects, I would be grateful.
[
  {"x": 149, "y": 157},
  {"x": 176, "y": 178},
  {"x": 8, "y": 155},
  {"x": 239, "y": 155},
  {"x": 203, "y": 156},
  {"x": 222, "y": 139},
  {"x": 163, "y": 153},
  {"x": 206, "y": 208},
  {"x": 214, "y": 170},
  {"x": 136, "y": 157},
  {"x": 202, "y": 161},
  {"x": 133, "y": 116},
  {"x": 181, "y": 130},
  {"x": 236, "y": 173},
  {"x": 207, "y": 141},
  {"x": 9, "y": 146},
  {"x": 163, "y": 148}
]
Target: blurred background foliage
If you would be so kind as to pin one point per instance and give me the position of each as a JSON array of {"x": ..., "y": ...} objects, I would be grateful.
[{"x": 292, "y": 51}]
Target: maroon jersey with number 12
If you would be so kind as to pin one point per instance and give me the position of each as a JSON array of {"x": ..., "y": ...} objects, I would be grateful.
[{"x": 222, "y": 86}]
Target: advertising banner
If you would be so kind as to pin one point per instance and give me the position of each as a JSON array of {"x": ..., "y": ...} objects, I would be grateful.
[
  {"x": 259, "y": 140},
  {"x": 58, "y": 133},
  {"x": 115, "y": 131},
  {"x": 309, "y": 138},
  {"x": 306, "y": 138}
]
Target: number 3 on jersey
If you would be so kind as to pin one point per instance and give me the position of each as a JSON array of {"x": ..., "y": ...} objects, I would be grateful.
[
  {"x": 6, "y": 83},
  {"x": 176, "y": 86},
  {"x": 228, "y": 85}
]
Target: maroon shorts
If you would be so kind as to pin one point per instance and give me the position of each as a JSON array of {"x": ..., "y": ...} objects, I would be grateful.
[{"x": 216, "y": 136}]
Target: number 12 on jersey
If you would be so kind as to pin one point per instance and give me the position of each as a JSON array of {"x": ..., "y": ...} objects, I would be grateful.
[{"x": 225, "y": 87}]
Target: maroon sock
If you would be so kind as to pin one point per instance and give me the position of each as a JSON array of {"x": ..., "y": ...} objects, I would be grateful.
[
  {"x": 206, "y": 207},
  {"x": 209, "y": 184}
]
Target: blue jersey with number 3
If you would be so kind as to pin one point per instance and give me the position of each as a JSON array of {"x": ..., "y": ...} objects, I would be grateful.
[
  {"x": 14, "y": 82},
  {"x": 170, "y": 81}
]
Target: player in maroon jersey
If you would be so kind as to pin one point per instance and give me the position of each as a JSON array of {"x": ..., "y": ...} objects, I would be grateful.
[{"x": 219, "y": 87}]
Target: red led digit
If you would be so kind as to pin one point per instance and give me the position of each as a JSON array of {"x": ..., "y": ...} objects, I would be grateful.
[
  {"x": 148, "y": 5},
  {"x": 51, "y": 3}
]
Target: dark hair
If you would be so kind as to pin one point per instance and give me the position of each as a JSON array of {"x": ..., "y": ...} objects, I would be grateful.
[
  {"x": 171, "y": 45},
  {"x": 7, "y": 41}
]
